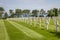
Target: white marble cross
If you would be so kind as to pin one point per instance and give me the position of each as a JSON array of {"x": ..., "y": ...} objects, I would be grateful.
[
  {"x": 57, "y": 26},
  {"x": 47, "y": 23}
]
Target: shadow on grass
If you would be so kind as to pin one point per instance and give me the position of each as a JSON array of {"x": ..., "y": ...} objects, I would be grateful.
[{"x": 57, "y": 34}]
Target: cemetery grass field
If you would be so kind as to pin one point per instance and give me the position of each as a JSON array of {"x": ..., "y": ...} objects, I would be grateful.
[{"x": 26, "y": 30}]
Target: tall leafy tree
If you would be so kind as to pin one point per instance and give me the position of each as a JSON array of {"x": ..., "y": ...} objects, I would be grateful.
[
  {"x": 51, "y": 13},
  {"x": 5, "y": 15},
  {"x": 11, "y": 12},
  {"x": 12, "y": 15},
  {"x": 1, "y": 11},
  {"x": 42, "y": 11},
  {"x": 18, "y": 12},
  {"x": 26, "y": 11},
  {"x": 55, "y": 10},
  {"x": 35, "y": 12}
]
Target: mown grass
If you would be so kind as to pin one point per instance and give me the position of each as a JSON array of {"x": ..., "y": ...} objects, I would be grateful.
[
  {"x": 15, "y": 34},
  {"x": 2, "y": 33},
  {"x": 49, "y": 34}
]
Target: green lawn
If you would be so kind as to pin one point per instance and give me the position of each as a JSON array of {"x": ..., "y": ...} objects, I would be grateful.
[{"x": 19, "y": 30}]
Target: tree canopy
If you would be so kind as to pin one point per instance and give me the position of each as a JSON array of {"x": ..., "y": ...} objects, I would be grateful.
[
  {"x": 35, "y": 12},
  {"x": 11, "y": 11},
  {"x": 26, "y": 11},
  {"x": 2, "y": 9},
  {"x": 42, "y": 11}
]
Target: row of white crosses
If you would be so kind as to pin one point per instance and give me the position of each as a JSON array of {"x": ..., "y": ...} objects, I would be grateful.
[
  {"x": 34, "y": 21},
  {"x": 47, "y": 22},
  {"x": 57, "y": 24},
  {"x": 31, "y": 19},
  {"x": 55, "y": 21}
]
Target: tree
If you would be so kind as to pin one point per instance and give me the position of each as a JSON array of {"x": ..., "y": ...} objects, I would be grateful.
[
  {"x": 51, "y": 13},
  {"x": 5, "y": 15},
  {"x": 35, "y": 12},
  {"x": 11, "y": 12},
  {"x": 18, "y": 12},
  {"x": 55, "y": 10},
  {"x": 1, "y": 11},
  {"x": 42, "y": 11},
  {"x": 12, "y": 15},
  {"x": 26, "y": 11}
]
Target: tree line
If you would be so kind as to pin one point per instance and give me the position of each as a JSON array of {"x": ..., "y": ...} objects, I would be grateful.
[{"x": 51, "y": 12}]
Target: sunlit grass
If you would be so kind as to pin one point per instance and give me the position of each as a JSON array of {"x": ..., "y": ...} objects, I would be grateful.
[
  {"x": 19, "y": 29},
  {"x": 50, "y": 34}
]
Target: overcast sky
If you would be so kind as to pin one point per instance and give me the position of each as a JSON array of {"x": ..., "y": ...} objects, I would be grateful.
[{"x": 30, "y": 4}]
